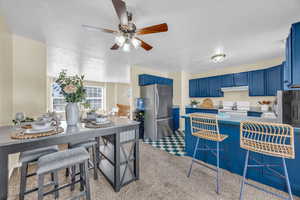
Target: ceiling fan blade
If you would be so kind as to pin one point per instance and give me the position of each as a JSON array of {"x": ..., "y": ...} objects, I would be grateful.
[
  {"x": 153, "y": 29},
  {"x": 144, "y": 45},
  {"x": 94, "y": 28},
  {"x": 120, "y": 7},
  {"x": 115, "y": 47}
]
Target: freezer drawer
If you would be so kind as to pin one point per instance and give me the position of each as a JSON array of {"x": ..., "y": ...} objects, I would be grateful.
[{"x": 164, "y": 127}]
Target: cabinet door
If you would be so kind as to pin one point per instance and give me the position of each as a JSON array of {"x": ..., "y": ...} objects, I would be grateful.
[
  {"x": 215, "y": 86},
  {"x": 295, "y": 55},
  {"x": 257, "y": 83},
  {"x": 273, "y": 80},
  {"x": 203, "y": 87},
  {"x": 288, "y": 63},
  {"x": 241, "y": 79},
  {"x": 192, "y": 88},
  {"x": 227, "y": 80}
]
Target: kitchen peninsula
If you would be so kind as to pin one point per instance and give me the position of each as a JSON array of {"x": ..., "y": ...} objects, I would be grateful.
[{"x": 232, "y": 157}]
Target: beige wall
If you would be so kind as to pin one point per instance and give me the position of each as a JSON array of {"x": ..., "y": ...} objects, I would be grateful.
[
  {"x": 29, "y": 76},
  {"x": 239, "y": 96},
  {"x": 6, "y": 84}
]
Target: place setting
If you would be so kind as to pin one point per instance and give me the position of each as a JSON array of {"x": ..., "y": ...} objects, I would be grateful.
[{"x": 28, "y": 128}]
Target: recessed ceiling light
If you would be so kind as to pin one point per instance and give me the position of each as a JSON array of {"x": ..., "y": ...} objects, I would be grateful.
[{"x": 218, "y": 58}]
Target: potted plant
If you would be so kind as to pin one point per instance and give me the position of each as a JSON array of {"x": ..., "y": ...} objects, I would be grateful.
[
  {"x": 71, "y": 87},
  {"x": 194, "y": 103}
]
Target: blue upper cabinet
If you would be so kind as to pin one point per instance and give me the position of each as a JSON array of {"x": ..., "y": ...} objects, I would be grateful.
[
  {"x": 274, "y": 81},
  {"x": 193, "y": 87},
  {"x": 241, "y": 79},
  {"x": 257, "y": 83},
  {"x": 146, "y": 79},
  {"x": 292, "y": 67},
  {"x": 227, "y": 80},
  {"x": 261, "y": 83},
  {"x": 214, "y": 86}
]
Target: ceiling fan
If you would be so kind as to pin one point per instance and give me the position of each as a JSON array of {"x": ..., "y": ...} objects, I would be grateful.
[{"x": 126, "y": 36}]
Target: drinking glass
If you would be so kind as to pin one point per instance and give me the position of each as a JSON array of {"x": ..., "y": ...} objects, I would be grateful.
[{"x": 19, "y": 118}]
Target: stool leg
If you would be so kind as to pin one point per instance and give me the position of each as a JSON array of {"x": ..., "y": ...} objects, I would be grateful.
[
  {"x": 55, "y": 180},
  {"x": 194, "y": 155},
  {"x": 244, "y": 175},
  {"x": 81, "y": 170},
  {"x": 94, "y": 162},
  {"x": 73, "y": 176},
  {"x": 86, "y": 180},
  {"x": 24, "y": 171},
  {"x": 287, "y": 179},
  {"x": 218, "y": 163},
  {"x": 41, "y": 186},
  {"x": 67, "y": 172}
]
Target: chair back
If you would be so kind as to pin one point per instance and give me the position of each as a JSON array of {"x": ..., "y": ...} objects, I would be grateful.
[
  {"x": 205, "y": 124},
  {"x": 268, "y": 138}
]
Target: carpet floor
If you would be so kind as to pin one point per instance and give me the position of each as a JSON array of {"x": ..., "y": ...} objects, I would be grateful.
[{"x": 162, "y": 177}]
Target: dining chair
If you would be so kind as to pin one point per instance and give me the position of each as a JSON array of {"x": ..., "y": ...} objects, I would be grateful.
[
  {"x": 271, "y": 139},
  {"x": 205, "y": 126}
]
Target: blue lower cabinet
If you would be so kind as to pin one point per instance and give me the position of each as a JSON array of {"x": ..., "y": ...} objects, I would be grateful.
[
  {"x": 254, "y": 114},
  {"x": 176, "y": 119},
  {"x": 232, "y": 157},
  {"x": 201, "y": 110}
]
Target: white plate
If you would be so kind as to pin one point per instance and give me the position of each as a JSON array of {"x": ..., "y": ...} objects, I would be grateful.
[
  {"x": 36, "y": 131},
  {"x": 100, "y": 123}
]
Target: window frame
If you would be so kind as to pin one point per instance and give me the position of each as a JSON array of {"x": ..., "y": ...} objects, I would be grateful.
[{"x": 103, "y": 97}]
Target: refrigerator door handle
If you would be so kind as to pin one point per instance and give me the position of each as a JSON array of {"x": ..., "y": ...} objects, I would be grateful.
[
  {"x": 156, "y": 101},
  {"x": 164, "y": 119}
]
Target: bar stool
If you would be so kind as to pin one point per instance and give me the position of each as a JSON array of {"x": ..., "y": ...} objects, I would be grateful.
[
  {"x": 90, "y": 145},
  {"x": 27, "y": 158},
  {"x": 205, "y": 126},
  {"x": 269, "y": 139},
  {"x": 54, "y": 162}
]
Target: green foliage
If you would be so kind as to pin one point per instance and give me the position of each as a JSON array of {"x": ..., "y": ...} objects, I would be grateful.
[
  {"x": 194, "y": 102},
  {"x": 76, "y": 82}
]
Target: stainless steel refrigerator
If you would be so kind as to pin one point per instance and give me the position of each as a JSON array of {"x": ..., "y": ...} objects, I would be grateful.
[{"x": 158, "y": 121}]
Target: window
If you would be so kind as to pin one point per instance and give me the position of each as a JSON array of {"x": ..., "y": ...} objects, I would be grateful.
[{"x": 94, "y": 96}]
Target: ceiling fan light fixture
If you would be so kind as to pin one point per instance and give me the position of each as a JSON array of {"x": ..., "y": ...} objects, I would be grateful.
[
  {"x": 126, "y": 47},
  {"x": 120, "y": 40},
  {"x": 218, "y": 58},
  {"x": 135, "y": 42}
]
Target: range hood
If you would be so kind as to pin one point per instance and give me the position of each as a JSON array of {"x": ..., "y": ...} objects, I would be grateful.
[{"x": 235, "y": 89}]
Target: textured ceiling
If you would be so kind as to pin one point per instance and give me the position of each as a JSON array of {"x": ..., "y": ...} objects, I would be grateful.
[{"x": 248, "y": 31}]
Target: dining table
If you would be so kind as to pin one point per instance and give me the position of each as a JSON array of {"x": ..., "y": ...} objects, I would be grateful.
[{"x": 118, "y": 160}]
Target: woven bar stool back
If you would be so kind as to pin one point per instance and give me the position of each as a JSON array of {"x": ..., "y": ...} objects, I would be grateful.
[
  {"x": 206, "y": 127},
  {"x": 268, "y": 138}
]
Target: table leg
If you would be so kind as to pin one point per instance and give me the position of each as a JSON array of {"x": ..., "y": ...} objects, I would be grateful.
[
  {"x": 137, "y": 155},
  {"x": 3, "y": 175},
  {"x": 98, "y": 151},
  {"x": 117, "y": 151}
]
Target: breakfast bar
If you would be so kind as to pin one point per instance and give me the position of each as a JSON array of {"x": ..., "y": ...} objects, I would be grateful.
[
  {"x": 123, "y": 165},
  {"x": 232, "y": 157}
]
